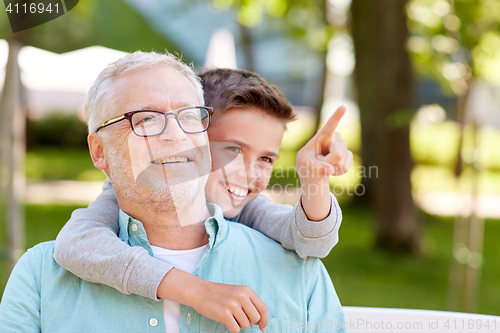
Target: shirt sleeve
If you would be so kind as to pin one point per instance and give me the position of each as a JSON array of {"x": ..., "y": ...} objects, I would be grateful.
[
  {"x": 20, "y": 307},
  {"x": 324, "y": 305},
  {"x": 88, "y": 246},
  {"x": 289, "y": 226}
]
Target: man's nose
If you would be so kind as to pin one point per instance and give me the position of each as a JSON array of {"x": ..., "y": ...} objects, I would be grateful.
[{"x": 172, "y": 131}]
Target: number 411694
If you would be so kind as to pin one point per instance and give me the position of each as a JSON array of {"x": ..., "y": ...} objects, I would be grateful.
[
  {"x": 32, "y": 8},
  {"x": 471, "y": 324}
]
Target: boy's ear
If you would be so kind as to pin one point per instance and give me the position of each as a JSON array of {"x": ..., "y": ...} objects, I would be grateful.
[{"x": 96, "y": 147}]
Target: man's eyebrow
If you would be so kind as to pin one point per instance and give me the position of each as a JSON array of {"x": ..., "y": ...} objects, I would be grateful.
[
  {"x": 144, "y": 107},
  {"x": 155, "y": 106},
  {"x": 245, "y": 145}
]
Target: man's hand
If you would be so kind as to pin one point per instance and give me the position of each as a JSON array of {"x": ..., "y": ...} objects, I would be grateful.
[
  {"x": 234, "y": 306},
  {"x": 325, "y": 155}
]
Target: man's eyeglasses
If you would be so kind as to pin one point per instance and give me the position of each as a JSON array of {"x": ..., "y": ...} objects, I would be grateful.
[{"x": 193, "y": 119}]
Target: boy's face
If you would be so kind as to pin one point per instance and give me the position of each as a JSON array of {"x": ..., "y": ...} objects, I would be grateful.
[{"x": 244, "y": 144}]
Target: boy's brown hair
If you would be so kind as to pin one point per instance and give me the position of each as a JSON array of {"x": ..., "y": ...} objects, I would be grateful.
[{"x": 226, "y": 89}]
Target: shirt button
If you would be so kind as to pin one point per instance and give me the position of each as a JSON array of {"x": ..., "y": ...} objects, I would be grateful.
[
  {"x": 134, "y": 227},
  {"x": 189, "y": 318},
  {"x": 153, "y": 322}
]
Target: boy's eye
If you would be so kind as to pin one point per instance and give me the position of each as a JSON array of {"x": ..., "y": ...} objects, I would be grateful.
[
  {"x": 234, "y": 149},
  {"x": 267, "y": 159}
]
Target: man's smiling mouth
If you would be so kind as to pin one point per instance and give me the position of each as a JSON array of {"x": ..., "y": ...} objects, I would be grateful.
[{"x": 172, "y": 159}]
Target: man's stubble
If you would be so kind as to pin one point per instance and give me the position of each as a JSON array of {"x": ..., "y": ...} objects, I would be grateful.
[{"x": 156, "y": 192}]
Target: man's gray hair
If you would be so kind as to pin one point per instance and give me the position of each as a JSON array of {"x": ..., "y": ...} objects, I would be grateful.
[{"x": 101, "y": 97}]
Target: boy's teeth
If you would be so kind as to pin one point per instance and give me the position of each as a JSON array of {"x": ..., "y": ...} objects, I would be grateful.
[
  {"x": 236, "y": 191},
  {"x": 170, "y": 160}
]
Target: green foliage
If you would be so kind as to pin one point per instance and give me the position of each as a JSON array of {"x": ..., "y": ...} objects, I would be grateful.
[
  {"x": 57, "y": 129},
  {"x": 435, "y": 144},
  {"x": 487, "y": 57},
  {"x": 454, "y": 43},
  {"x": 304, "y": 20},
  {"x": 52, "y": 163}
]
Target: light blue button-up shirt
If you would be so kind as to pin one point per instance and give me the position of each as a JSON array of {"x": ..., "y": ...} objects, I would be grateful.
[{"x": 41, "y": 296}]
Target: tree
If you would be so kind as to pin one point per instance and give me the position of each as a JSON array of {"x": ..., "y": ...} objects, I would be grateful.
[
  {"x": 384, "y": 82},
  {"x": 12, "y": 153}
]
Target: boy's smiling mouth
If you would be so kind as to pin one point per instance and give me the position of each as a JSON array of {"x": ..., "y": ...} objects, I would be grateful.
[{"x": 236, "y": 191}]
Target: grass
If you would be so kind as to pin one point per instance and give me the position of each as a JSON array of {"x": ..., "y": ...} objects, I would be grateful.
[{"x": 363, "y": 276}]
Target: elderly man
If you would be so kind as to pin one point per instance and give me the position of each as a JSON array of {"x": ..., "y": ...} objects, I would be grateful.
[{"x": 152, "y": 144}]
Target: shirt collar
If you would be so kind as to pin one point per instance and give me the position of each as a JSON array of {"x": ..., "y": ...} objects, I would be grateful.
[
  {"x": 216, "y": 225},
  {"x": 133, "y": 233}
]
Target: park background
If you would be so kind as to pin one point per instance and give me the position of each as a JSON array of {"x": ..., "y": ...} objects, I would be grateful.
[{"x": 421, "y": 204}]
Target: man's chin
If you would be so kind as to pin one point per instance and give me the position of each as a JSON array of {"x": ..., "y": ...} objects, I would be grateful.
[
  {"x": 174, "y": 188},
  {"x": 154, "y": 178},
  {"x": 157, "y": 182}
]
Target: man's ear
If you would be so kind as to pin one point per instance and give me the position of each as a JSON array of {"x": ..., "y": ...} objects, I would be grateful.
[{"x": 96, "y": 147}]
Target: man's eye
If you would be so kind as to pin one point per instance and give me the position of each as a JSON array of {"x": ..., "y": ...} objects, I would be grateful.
[
  {"x": 145, "y": 119},
  {"x": 190, "y": 116}
]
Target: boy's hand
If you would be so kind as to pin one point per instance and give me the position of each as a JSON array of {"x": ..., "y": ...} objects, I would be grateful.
[
  {"x": 326, "y": 154},
  {"x": 234, "y": 306}
]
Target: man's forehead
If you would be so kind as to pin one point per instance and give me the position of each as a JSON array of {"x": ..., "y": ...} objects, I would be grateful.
[
  {"x": 164, "y": 72},
  {"x": 155, "y": 87}
]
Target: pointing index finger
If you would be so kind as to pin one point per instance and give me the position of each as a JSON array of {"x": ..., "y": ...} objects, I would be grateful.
[{"x": 334, "y": 120}]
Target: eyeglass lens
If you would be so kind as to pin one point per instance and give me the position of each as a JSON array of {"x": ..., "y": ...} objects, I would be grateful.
[{"x": 148, "y": 123}]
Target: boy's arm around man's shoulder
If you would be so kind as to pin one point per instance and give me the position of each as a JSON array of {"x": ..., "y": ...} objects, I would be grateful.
[
  {"x": 88, "y": 246},
  {"x": 289, "y": 226}
]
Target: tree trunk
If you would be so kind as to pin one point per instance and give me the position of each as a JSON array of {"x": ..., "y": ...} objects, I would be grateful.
[
  {"x": 384, "y": 82},
  {"x": 13, "y": 131},
  {"x": 247, "y": 46}
]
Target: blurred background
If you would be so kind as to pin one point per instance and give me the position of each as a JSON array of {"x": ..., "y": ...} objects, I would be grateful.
[{"x": 420, "y": 78}]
